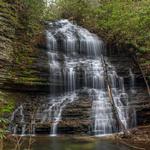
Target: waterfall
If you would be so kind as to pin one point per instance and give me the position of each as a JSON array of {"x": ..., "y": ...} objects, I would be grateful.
[
  {"x": 82, "y": 54},
  {"x": 132, "y": 81},
  {"x": 76, "y": 63},
  {"x": 19, "y": 112},
  {"x": 55, "y": 108}
]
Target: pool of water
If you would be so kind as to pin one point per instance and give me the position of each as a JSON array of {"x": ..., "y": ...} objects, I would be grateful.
[{"x": 66, "y": 143}]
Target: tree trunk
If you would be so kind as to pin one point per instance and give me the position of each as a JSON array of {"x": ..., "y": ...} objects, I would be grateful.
[{"x": 1, "y": 144}]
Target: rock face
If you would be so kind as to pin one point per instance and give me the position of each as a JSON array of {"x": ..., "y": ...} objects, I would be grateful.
[
  {"x": 76, "y": 118},
  {"x": 23, "y": 63},
  {"x": 7, "y": 32}
]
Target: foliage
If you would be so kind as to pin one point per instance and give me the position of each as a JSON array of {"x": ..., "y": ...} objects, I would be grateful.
[
  {"x": 120, "y": 21},
  {"x": 5, "y": 107},
  {"x": 127, "y": 21},
  {"x": 74, "y": 9},
  {"x": 32, "y": 13}
]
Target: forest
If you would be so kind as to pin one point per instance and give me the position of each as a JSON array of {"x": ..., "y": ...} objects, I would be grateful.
[{"x": 74, "y": 74}]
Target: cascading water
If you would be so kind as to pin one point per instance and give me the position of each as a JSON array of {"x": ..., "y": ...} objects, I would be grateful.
[
  {"x": 19, "y": 112},
  {"x": 82, "y": 54},
  {"x": 76, "y": 63},
  {"x": 54, "y": 109},
  {"x": 132, "y": 81}
]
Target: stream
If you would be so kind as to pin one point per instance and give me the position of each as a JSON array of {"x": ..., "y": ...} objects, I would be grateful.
[{"x": 69, "y": 143}]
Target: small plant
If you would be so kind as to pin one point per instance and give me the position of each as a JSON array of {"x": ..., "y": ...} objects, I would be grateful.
[
  {"x": 18, "y": 141},
  {"x": 5, "y": 107}
]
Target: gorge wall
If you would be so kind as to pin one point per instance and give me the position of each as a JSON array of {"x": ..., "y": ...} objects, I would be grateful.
[
  {"x": 76, "y": 116},
  {"x": 24, "y": 67},
  {"x": 20, "y": 53},
  {"x": 7, "y": 35}
]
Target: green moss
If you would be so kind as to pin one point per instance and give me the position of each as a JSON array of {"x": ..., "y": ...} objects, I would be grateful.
[
  {"x": 6, "y": 105},
  {"x": 147, "y": 62},
  {"x": 8, "y": 11},
  {"x": 143, "y": 50}
]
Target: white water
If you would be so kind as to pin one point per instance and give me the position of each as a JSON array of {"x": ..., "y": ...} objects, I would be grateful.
[
  {"x": 82, "y": 52},
  {"x": 19, "y": 112},
  {"x": 132, "y": 81},
  {"x": 55, "y": 108}
]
